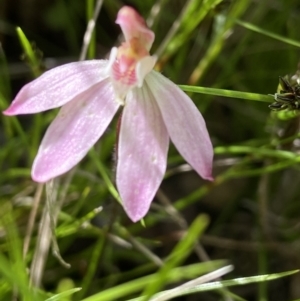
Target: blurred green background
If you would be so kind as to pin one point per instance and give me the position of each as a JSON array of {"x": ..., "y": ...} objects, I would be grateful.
[{"x": 251, "y": 210}]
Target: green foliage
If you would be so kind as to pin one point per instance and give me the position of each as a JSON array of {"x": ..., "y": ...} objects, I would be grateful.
[{"x": 228, "y": 55}]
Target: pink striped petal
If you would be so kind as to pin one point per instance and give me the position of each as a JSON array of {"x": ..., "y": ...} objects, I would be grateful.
[
  {"x": 142, "y": 152},
  {"x": 184, "y": 122},
  {"x": 57, "y": 86},
  {"x": 77, "y": 127}
]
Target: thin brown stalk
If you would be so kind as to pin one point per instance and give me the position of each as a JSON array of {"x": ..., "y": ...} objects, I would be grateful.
[
  {"x": 32, "y": 217},
  {"x": 89, "y": 31}
]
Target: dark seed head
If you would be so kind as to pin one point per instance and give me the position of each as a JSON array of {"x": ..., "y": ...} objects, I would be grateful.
[{"x": 288, "y": 95}]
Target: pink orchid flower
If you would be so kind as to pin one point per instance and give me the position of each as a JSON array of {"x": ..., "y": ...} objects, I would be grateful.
[{"x": 91, "y": 92}]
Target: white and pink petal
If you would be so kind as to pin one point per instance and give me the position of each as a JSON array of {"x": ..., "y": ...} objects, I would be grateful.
[
  {"x": 142, "y": 152},
  {"x": 143, "y": 67},
  {"x": 58, "y": 86},
  {"x": 185, "y": 124},
  {"x": 77, "y": 127}
]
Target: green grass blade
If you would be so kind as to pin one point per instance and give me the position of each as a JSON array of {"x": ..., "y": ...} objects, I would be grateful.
[
  {"x": 238, "y": 281},
  {"x": 267, "y": 33},
  {"x": 195, "y": 13},
  {"x": 227, "y": 283},
  {"x": 217, "y": 43},
  {"x": 72, "y": 225},
  {"x": 33, "y": 61},
  {"x": 178, "y": 274},
  {"x": 19, "y": 280},
  {"x": 62, "y": 296},
  {"x": 93, "y": 264},
  {"x": 4, "y": 75},
  {"x": 113, "y": 191},
  {"x": 91, "y": 53},
  {"x": 35, "y": 64},
  {"x": 178, "y": 255},
  {"x": 12, "y": 122}
]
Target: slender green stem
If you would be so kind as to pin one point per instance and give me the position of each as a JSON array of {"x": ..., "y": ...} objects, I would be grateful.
[
  {"x": 104, "y": 175},
  {"x": 268, "y": 33},
  {"x": 228, "y": 93}
]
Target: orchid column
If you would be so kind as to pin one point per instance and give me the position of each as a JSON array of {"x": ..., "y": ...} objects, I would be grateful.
[{"x": 91, "y": 93}]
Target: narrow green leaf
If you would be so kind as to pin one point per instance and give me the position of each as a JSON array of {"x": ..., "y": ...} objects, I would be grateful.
[
  {"x": 4, "y": 75},
  {"x": 12, "y": 122},
  {"x": 70, "y": 228},
  {"x": 228, "y": 93},
  {"x": 90, "y": 4},
  {"x": 268, "y": 33},
  {"x": 178, "y": 274},
  {"x": 237, "y": 281},
  {"x": 255, "y": 151},
  {"x": 226, "y": 283},
  {"x": 258, "y": 171},
  {"x": 178, "y": 255},
  {"x": 93, "y": 264},
  {"x": 213, "y": 51},
  {"x": 32, "y": 59},
  {"x": 63, "y": 294},
  {"x": 194, "y": 14},
  {"x": 111, "y": 188},
  {"x": 8, "y": 266}
]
